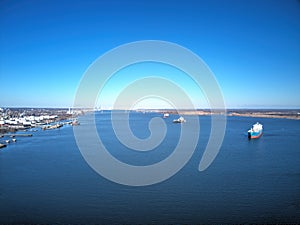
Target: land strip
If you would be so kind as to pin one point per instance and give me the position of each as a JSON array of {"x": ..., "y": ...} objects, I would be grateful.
[{"x": 281, "y": 114}]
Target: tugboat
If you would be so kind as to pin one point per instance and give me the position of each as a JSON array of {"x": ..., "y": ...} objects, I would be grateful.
[
  {"x": 179, "y": 120},
  {"x": 256, "y": 131}
]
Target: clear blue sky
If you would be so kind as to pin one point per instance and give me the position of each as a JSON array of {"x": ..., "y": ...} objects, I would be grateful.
[{"x": 252, "y": 47}]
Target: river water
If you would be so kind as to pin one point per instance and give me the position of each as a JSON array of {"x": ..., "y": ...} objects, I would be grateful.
[{"x": 45, "y": 180}]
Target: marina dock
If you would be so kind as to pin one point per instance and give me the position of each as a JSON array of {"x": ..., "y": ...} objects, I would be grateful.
[{"x": 18, "y": 135}]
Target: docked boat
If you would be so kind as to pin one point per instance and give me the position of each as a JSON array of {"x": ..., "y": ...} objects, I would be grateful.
[
  {"x": 256, "y": 131},
  {"x": 179, "y": 120},
  {"x": 75, "y": 122},
  {"x": 50, "y": 127},
  {"x": 166, "y": 115}
]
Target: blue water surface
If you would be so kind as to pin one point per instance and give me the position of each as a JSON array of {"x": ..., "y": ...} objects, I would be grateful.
[{"x": 45, "y": 180}]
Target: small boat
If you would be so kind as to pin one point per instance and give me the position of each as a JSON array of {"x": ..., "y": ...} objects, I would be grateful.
[
  {"x": 7, "y": 141},
  {"x": 14, "y": 140},
  {"x": 75, "y": 122},
  {"x": 2, "y": 145},
  {"x": 166, "y": 115},
  {"x": 256, "y": 131},
  {"x": 179, "y": 120}
]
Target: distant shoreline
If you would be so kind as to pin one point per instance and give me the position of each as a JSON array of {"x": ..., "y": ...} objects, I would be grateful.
[
  {"x": 276, "y": 113},
  {"x": 273, "y": 115},
  {"x": 255, "y": 113}
]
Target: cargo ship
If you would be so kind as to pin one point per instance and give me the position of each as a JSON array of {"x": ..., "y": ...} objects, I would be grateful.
[{"x": 256, "y": 131}]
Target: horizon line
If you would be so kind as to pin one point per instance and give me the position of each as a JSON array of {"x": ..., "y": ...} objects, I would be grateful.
[{"x": 140, "y": 109}]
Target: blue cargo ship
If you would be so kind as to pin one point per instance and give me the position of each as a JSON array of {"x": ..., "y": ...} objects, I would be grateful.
[{"x": 256, "y": 131}]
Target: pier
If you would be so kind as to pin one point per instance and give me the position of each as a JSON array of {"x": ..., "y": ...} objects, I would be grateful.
[{"x": 18, "y": 135}]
